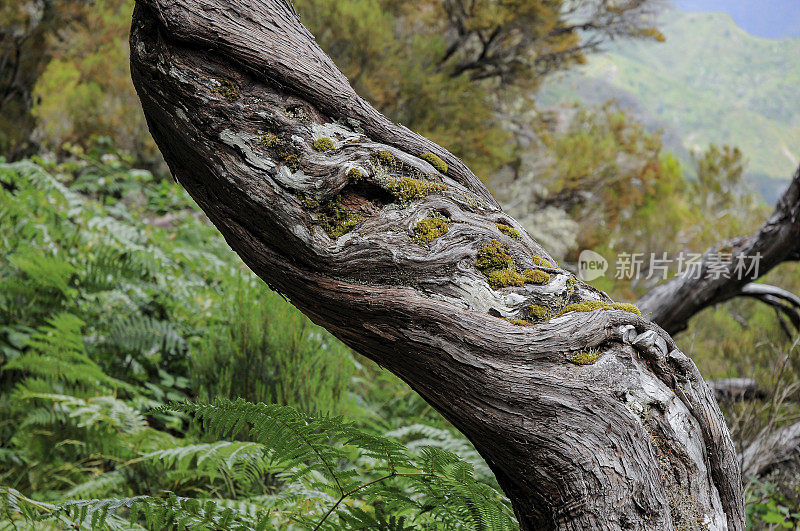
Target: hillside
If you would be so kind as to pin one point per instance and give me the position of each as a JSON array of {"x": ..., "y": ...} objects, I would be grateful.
[
  {"x": 710, "y": 82},
  {"x": 776, "y": 19}
]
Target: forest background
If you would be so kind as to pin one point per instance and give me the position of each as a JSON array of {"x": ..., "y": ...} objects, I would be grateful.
[{"x": 637, "y": 129}]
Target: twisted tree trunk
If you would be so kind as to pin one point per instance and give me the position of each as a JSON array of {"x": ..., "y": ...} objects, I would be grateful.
[{"x": 590, "y": 419}]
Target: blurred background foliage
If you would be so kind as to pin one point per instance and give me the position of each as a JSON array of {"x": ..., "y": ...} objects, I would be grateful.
[{"x": 117, "y": 295}]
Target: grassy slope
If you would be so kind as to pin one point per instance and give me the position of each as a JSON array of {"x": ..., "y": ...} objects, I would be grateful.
[{"x": 710, "y": 82}]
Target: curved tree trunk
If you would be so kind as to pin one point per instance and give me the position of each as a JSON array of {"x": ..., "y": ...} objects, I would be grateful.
[{"x": 591, "y": 419}]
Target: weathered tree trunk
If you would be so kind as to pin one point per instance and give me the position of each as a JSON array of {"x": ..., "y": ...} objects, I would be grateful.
[
  {"x": 590, "y": 419},
  {"x": 672, "y": 304}
]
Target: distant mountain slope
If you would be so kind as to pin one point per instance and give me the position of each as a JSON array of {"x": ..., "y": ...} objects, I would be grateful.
[
  {"x": 710, "y": 82},
  {"x": 774, "y": 19}
]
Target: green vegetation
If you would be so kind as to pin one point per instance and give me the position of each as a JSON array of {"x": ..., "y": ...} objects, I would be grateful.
[
  {"x": 537, "y": 312},
  {"x": 434, "y": 161},
  {"x": 494, "y": 257},
  {"x": 711, "y": 82},
  {"x": 497, "y": 264},
  {"x": 589, "y": 306},
  {"x": 225, "y": 88},
  {"x": 510, "y": 231},
  {"x": 588, "y": 357},
  {"x": 502, "y": 278},
  {"x": 323, "y": 144},
  {"x": 291, "y": 160},
  {"x": 354, "y": 175},
  {"x": 109, "y": 309},
  {"x": 410, "y": 189},
  {"x": 116, "y": 299},
  {"x": 335, "y": 219},
  {"x": 536, "y": 276},
  {"x": 269, "y": 139},
  {"x": 430, "y": 228},
  {"x": 626, "y": 306},
  {"x": 384, "y": 157}
]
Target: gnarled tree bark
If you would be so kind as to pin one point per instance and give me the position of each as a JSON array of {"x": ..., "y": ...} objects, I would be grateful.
[{"x": 590, "y": 419}]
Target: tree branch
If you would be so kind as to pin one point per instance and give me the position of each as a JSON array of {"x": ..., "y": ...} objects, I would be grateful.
[
  {"x": 736, "y": 389},
  {"x": 672, "y": 304},
  {"x": 772, "y": 451}
]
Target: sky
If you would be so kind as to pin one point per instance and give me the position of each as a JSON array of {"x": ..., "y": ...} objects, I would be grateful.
[{"x": 773, "y": 19}]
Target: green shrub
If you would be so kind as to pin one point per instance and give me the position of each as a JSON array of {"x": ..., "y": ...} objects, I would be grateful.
[{"x": 264, "y": 350}]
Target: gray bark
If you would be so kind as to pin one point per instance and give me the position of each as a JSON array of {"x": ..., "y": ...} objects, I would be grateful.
[
  {"x": 772, "y": 452},
  {"x": 633, "y": 440},
  {"x": 736, "y": 389}
]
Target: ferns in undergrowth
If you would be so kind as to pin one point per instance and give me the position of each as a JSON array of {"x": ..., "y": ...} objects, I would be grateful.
[
  {"x": 266, "y": 351},
  {"x": 430, "y": 485},
  {"x": 143, "y": 512},
  {"x": 103, "y": 317},
  {"x": 418, "y": 436},
  {"x": 394, "y": 488},
  {"x": 56, "y": 352}
]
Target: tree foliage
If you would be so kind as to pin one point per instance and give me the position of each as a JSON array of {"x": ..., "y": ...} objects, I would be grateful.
[{"x": 27, "y": 31}]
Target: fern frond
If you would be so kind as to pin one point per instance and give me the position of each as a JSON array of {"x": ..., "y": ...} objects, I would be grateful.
[
  {"x": 312, "y": 449},
  {"x": 145, "y": 336},
  {"x": 46, "y": 271},
  {"x": 242, "y": 460},
  {"x": 57, "y": 353},
  {"x": 418, "y": 436},
  {"x": 294, "y": 442},
  {"x": 145, "y": 512},
  {"x": 103, "y": 484}
]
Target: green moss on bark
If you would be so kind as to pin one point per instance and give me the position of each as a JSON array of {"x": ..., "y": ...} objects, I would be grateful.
[
  {"x": 410, "y": 189},
  {"x": 589, "y": 306},
  {"x": 508, "y": 230},
  {"x": 227, "y": 89},
  {"x": 536, "y": 276},
  {"x": 588, "y": 357},
  {"x": 494, "y": 256},
  {"x": 430, "y": 228},
  {"x": 354, "y": 175},
  {"x": 537, "y": 311},
  {"x": 435, "y": 161},
  {"x": 323, "y": 144},
  {"x": 541, "y": 262},
  {"x": 334, "y": 219},
  {"x": 269, "y": 139},
  {"x": 384, "y": 157}
]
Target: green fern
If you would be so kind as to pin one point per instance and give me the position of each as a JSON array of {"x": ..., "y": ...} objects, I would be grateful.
[
  {"x": 144, "y": 337},
  {"x": 236, "y": 461},
  {"x": 418, "y": 436},
  {"x": 102, "y": 316},
  {"x": 146, "y": 512},
  {"x": 57, "y": 353},
  {"x": 403, "y": 489},
  {"x": 313, "y": 449},
  {"x": 47, "y": 271}
]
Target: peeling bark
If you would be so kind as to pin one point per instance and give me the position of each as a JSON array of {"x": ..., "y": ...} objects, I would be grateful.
[{"x": 236, "y": 92}]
